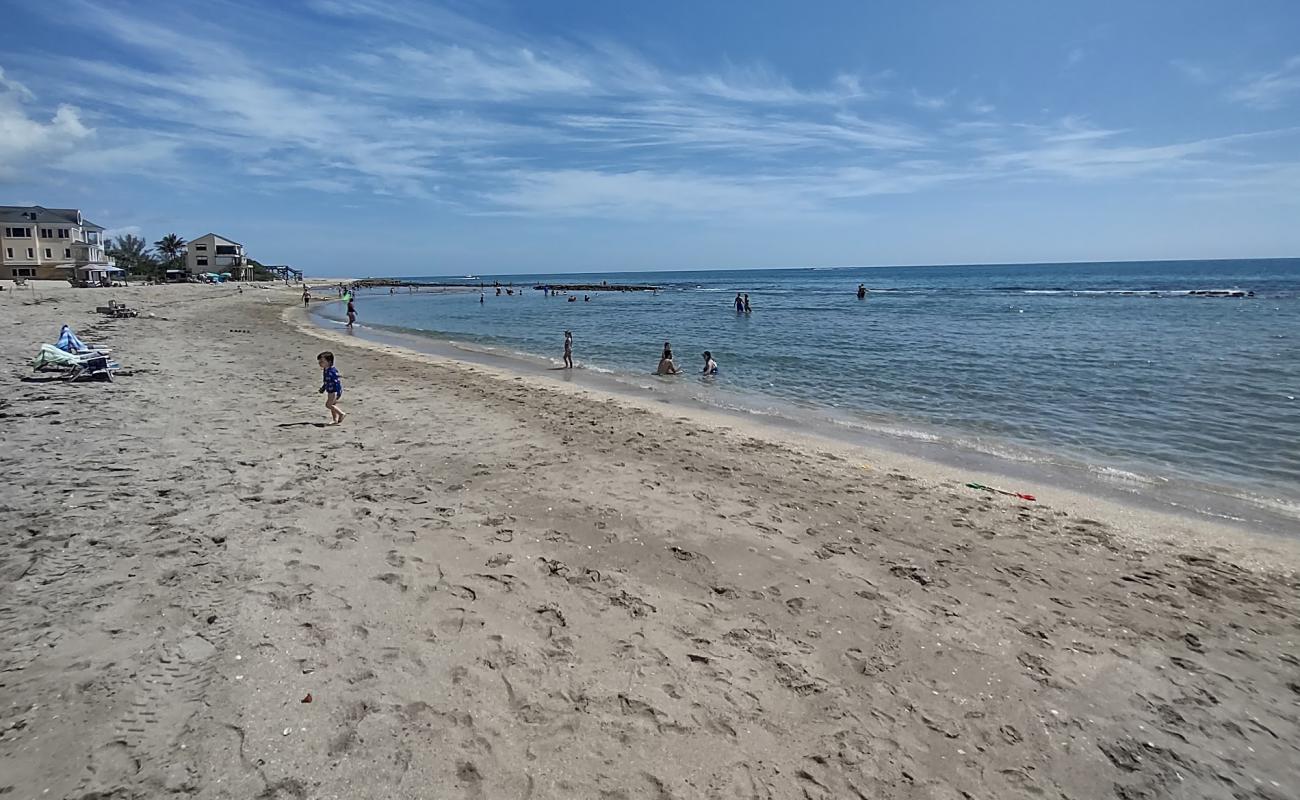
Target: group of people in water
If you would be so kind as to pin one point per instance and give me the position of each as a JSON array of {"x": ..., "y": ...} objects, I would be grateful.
[{"x": 667, "y": 366}]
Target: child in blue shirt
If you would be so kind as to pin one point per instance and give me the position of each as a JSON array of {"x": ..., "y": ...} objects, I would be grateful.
[{"x": 331, "y": 386}]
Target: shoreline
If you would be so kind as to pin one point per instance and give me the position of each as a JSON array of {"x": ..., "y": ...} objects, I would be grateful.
[
  {"x": 940, "y": 462},
  {"x": 486, "y": 585}
]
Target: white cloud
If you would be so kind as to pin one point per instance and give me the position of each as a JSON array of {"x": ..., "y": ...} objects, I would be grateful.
[
  {"x": 25, "y": 136},
  {"x": 1072, "y": 148},
  {"x": 1193, "y": 71},
  {"x": 1270, "y": 90},
  {"x": 929, "y": 102},
  {"x": 9, "y": 86},
  {"x": 434, "y": 105}
]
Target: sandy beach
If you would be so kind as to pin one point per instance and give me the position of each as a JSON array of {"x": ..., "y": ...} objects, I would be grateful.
[{"x": 487, "y": 585}]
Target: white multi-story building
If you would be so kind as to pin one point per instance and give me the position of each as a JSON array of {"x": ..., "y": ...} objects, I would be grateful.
[{"x": 50, "y": 244}]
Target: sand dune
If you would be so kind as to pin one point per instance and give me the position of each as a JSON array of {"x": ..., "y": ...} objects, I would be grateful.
[{"x": 492, "y": 587}]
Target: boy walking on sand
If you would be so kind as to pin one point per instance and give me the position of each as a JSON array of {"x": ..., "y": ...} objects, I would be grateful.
[{"x": 331, "y": 386}]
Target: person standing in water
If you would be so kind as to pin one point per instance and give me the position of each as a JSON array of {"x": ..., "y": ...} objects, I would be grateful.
[
  {"x": 862, "y": 291},
  {"x": 568, "y": 349},
  {"x": 352, "y": 312},
  {"x": 747, "y": 308},
  {"x": 710, "y": 366},
  {"x": 740, "y": 304}
]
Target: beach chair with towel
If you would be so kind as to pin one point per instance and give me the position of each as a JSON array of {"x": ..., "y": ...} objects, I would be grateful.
[
  {"x": 75, "y": 366},
  {"x": 69, "y": 343}
]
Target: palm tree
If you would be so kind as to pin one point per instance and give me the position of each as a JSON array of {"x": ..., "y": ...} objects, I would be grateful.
[{"x": 170, "y": 248}]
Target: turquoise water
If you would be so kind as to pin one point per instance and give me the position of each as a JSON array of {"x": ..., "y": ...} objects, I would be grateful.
[{"x": 1112, "y": 368}]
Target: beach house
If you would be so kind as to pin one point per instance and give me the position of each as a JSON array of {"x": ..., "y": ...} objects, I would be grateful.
[
  {"x": 51, "y": 244},
  {"x": 213, "y": 253}
]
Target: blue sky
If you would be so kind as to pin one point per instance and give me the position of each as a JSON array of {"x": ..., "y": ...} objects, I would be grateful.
[{"x": 401, "y": 137}]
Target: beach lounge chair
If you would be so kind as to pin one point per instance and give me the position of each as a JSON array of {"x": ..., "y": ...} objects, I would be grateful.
[
  {"x": 69, "y": 343},
  {"x": 74, "y": 366}
]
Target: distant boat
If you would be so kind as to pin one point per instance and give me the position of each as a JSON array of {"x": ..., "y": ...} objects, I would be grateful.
[{"x": 470, "y": 277}]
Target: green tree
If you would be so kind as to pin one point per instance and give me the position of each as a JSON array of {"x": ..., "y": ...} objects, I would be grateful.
[
  {"x": 131, "y": 253},
  {"x": 171, "y": 249}
]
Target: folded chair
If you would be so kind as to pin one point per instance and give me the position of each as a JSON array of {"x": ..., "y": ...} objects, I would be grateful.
[{"x": 74, "y": 366}]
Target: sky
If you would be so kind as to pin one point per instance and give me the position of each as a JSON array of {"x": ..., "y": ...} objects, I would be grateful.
[{"x": 404, "y": 137}]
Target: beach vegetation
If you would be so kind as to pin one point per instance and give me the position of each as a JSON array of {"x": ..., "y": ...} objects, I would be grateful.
[{"x": 132, "y": 253}]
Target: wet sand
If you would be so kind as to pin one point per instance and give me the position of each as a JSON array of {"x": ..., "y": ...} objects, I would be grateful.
[{"x": 498, "y": 586}]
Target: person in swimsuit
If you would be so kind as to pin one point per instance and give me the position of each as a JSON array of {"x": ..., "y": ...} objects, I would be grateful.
[
  {"x": 862, "y": 291},
  {"x": 352, "y": 313},
  {"x": 740, "y": 304},
  {"x": 306, "y": 296},
  {"x": 331, "y": 386},
  {"x": 747, "y": 308},
  {"x": 710, "y": 366},
  {"x": 568, "y": 349},
  {"x": 666, "y": 365}
]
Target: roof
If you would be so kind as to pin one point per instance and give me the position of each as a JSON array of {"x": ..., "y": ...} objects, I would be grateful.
[
  {"x": 215, "y": 236},
  {"x": 43, "y": 214}
]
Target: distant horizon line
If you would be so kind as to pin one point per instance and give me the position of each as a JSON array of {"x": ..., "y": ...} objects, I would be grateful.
[{"x": 830, "y": 268}]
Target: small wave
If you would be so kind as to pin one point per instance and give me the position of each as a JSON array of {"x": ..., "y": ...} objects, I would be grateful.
[{"x": 1124, "y": 476}]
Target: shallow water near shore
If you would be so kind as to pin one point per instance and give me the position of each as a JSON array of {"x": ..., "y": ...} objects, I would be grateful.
[{"x": 1107, "y": 376}]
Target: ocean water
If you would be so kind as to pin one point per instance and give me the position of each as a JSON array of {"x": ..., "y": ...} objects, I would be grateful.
[{"x": 1109, "y": 369}]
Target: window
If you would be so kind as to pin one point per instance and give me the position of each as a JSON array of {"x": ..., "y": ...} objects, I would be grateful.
[
  {"x": 24, "y": 272},
  {"x": 67, "y": 252},
  {"x": 48, "y": 254},
  {"x": 47, "y": 233},
  {"x": 18, "y": 233},
  {"x": 65, "y": 233},
  {"x": 31, "y": 253},
  {"x": 201, "y": 261},
  {"x": 9, "y": 252},
  {"x": 201, "y": 248},
  {"x": 226, "y": 250}
]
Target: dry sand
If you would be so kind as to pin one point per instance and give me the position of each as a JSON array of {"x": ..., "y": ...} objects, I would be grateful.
[{"x": 492, "y": 586}]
